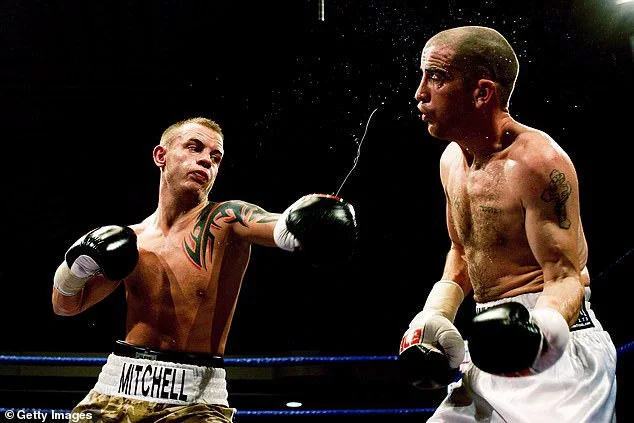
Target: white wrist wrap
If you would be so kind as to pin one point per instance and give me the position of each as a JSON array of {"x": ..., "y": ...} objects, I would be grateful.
[
  {"x": 556, "y": 334},
  {"x": 283, "y": 238},
  {"x": 444, "y": 298},
  {"x": 66, "y": 283}
]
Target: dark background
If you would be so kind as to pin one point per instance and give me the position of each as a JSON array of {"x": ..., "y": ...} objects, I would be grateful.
[{"x": 88, "y": 87}]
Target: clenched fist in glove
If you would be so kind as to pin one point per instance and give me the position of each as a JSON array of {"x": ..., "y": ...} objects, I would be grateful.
[
  {"x": 109, "y": 250},
  {"x": 509, "y": 340},
  {"x": 432, "y": 349},
  {"x": 322, "y": 226}
]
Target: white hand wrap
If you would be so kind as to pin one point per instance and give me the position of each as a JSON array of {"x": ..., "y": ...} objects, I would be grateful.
[
  {"x": 84, "y": 267},
  {"x": 556, "y": 334},
  {"x": 436, "y": 320},
  {"x": 66, "y": 283},
  {"x": 283, "y": 238}
]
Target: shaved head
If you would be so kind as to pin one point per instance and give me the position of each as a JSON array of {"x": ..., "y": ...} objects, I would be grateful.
[{"x": 481, "y": 52}]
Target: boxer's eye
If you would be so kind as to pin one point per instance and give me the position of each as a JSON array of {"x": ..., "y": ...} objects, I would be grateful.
[{"x": 437, "y": 77}]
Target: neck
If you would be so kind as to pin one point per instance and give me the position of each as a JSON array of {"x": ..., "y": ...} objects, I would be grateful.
[
  {"x": 174, "y": 208},
  {"x": 488, "y": 141}
]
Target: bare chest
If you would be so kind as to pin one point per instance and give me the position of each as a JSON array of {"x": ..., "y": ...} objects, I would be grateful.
[
  {"x": 484, "y": 209},
  {"x": 180, "y": 265}
]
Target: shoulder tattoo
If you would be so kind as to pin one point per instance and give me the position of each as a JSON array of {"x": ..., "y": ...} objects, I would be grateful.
[
  {"x": 239, "y": 212},
  {"x": 558, "y": 191},
  {"x": 213, "y": 215}
]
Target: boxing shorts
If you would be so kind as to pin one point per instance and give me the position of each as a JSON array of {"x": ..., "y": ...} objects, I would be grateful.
[{"x": 579, "y": 387}]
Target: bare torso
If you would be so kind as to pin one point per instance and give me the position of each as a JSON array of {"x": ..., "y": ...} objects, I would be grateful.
[
  {"x": 488, "y": 218},
  {"x": 183, "y": 292}
]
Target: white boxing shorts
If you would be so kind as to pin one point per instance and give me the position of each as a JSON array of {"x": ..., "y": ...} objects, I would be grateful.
[
  {"x": 579, "y": 388},
  {"x": 142, "y": 376}
]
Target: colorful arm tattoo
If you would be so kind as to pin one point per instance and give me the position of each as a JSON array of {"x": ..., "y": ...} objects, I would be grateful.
[{"x": 214, "y": 215}]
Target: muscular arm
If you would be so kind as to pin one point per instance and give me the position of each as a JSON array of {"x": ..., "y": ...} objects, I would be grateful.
[
  {"x": 250, "y": 222},
  {"x": 96, "y": 289},
  {"x": 551, "y": 200},
  {"x": 455, "y": 265}
]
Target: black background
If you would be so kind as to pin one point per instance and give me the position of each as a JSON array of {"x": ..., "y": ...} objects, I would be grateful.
[{"x": 88, "y": 87}]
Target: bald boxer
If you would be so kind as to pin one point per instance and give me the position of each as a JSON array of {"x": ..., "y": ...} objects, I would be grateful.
[
  {"x": 536, "y": 351},
  {"x": 182, "y": 268}
]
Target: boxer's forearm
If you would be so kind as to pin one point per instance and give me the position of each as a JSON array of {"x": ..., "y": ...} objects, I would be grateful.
[
  {"x": 64, "y": 305},
  {"x": 563, "y": 295},
  {"x": 95, "y": 290},
  {"x": 456, "y": 268}
]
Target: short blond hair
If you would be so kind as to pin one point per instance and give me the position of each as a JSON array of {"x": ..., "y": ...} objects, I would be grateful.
[{"x": 171, "y": 131}]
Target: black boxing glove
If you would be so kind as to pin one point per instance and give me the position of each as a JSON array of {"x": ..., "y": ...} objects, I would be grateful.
[
  {"x": 432, "y": 349},
  {"x": 109, "y": 250},
  {"x": 421, "y": 364},
  {"x": 508, "y": 340},
  {"x": 321, "y": 226}
]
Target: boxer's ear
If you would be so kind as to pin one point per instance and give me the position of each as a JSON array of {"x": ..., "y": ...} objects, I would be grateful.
[
  {"x": 159, "y": 155},
  {"x": 484, "y": 92}
]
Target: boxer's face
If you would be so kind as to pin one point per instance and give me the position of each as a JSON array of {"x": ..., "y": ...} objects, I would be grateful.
[
  {"x": 193, "y": 157},
  {"x": 443, "y": 99}
]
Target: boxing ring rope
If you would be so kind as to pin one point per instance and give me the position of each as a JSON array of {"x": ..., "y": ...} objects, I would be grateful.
[
  {"x": 231, "y": 361},
  {"x": 228, "y": 361},
  {"x": 253, "y": 361}
]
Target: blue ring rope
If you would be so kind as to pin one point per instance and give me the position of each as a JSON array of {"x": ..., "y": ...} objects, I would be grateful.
[
  {"x": 249, "y": 361},
  {"x": 625, "y": 348},
  {"x": 611, "y": 266}
]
